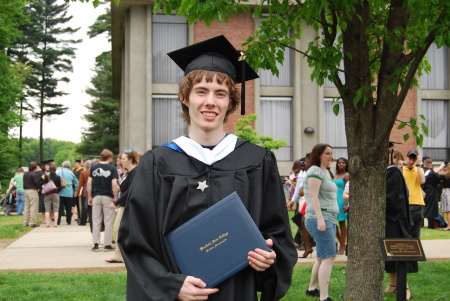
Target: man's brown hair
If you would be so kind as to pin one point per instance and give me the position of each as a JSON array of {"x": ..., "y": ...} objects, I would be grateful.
[
  {"x": 197, "y": 76},
  {"x": 106, "y": 154},
  {"x": 32, "y": 166}
]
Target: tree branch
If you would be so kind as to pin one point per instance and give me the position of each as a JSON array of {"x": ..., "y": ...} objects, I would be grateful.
[
  {"x": 407, "y": 58},
  {"x": 416, "y": 58}
]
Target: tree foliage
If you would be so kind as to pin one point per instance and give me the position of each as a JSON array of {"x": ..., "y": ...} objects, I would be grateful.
[
  {"x": 103, "y": 117},
  {"x": 95, "y": 3},
  {"x": 12, "y": 75},
  {"x": 46, "y": 48},
  {"x": 245, "y": 130},
  {"x": 60, "y": 151},
  {"x": 102, "y": 25}
]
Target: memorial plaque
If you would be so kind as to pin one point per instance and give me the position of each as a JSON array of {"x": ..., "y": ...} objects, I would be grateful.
[{"x": 402, "y": 249}]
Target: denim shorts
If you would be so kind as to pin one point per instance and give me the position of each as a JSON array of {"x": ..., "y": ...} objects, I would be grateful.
[{"x": 325, "y": 240}]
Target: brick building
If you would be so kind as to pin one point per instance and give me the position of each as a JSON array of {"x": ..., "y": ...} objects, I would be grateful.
[{"x": 290, "y": 107}]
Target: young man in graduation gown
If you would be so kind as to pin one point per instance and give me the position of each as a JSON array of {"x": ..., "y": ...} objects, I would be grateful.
[{"x": 181, "y": 179}]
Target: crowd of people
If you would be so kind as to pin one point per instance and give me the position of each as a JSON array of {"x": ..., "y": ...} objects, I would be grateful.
[
  {"x": 88, "y": 193},
  {"x": 147, "y": 197},
  {"x": 416, "y": 194}
]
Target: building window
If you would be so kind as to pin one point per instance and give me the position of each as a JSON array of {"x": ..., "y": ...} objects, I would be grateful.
[
  {"x": 168, "y": 33},
  {"x": 276, "y": 122},
  {"x": 436, "y": 144},
  {"x": 285, "y": 73},
  {"x": 284, "y": 79},
  {"x": 437, "y": 79},
  {"x": 335, "y": 128},
  {"x": 167, "y": 123}
]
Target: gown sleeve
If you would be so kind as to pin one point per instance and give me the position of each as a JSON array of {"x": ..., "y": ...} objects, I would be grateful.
[
  {"x": 395, "y": 195},
  {"x": 274, "y": 224},
  {"x": 149, "y": 274}
]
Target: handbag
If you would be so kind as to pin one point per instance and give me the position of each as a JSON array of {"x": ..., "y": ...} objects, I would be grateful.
[
  {"x": 63, "y": 181},
  {"x": 302, "y": 206},
  {"x": 48, "y": 187}
]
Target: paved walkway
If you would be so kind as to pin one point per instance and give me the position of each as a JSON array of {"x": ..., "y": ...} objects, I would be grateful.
[
  {"x": 69, "y": 247},
  {"x": 64, "y": 247}
]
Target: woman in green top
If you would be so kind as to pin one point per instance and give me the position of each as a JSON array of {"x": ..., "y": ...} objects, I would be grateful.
[
  {"x": 20, "y": 191},
  {"x": 320, "y": 220}
]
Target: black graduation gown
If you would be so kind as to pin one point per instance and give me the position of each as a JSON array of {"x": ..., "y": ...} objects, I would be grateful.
[
  {"x": 164, "y": 195},
  {"x": 398, "y": 217},
  {"x": 431, "y": 209}
]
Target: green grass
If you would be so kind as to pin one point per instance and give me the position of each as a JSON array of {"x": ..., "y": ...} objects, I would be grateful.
[
  {"x": 427, "y": 285},
  {"x": 425, "y": 233},
  {"x": 65, "y": 286},
  {"x": 111, "y": 286},
  {"x": 11, "y": 226},
  {"x": 430, "y": 234},
  {"x": 424, "y": 285}
]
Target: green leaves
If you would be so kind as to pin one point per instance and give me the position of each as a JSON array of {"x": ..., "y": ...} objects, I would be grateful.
[
  {"x": 245, "y": 130},
  {"x": 336, "y": 109},
  {"x": 206, "y": 11},
  {"x": 418, "y": 127},
  {"x": 95, "y": 3},
  {"x": 12, "y": 76},
  {"x": 44, "y": 49},
  {"x": 104, "y": 111},
  {"x": 364, "y": 93}
]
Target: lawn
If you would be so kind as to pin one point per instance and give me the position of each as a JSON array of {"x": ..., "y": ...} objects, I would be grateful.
[
  {"x": 425, "y": 233},
  {"x": 111, "y": 286},
  {"x": 427, "y": 285}
]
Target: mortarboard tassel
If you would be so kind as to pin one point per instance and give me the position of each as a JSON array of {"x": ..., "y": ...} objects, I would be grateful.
[{"x": 242, "y": 59}]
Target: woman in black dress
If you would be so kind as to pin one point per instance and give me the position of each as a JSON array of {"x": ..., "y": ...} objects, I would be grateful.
[{"x": 398, "y": 217}]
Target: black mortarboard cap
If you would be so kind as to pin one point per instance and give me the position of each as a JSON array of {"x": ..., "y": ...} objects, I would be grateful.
[
  {"x": 391, "y": 144},
  {"x": 216, "y": 54}
]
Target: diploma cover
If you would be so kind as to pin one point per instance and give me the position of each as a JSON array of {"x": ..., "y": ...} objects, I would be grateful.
[{"x": 214, "y": 245}]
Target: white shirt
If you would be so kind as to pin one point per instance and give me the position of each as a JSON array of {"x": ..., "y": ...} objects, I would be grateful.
[{"x": 300, "y": 178}]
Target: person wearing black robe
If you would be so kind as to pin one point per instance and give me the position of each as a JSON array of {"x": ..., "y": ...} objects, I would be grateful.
[
  {"x": 430, "y": 187},
  {"x": 181, "y": 179},
  {"x": 398, "y": 221}
]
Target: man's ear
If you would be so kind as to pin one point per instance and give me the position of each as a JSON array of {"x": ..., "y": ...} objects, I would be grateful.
[{"x": 182, "y": 100}]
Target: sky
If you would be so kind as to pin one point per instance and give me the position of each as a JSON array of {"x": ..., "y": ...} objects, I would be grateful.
[{"x": 68, "y": 127}]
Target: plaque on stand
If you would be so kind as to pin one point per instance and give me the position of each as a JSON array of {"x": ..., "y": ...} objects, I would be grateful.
[{"x": 401, "y": 250}]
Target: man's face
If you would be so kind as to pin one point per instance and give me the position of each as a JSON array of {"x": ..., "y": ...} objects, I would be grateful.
[
  {"x": 302, "y": 165},
  {"x": 208, "y": 104},
  {"x": 411, "y": 161}
]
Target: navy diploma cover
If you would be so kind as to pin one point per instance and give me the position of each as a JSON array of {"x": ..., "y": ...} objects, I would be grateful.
[{"x": 214, "y": 245}]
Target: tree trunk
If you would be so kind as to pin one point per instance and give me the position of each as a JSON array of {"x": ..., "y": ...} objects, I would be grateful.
[
  {"x": 366, "y": 224},
  {"x": 41, "y": 129},
  {"x": 367, "y": 130},
  {"x": 21, "y": 134}
]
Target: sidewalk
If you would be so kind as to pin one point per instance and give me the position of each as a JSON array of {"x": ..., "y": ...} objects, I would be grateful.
[
  {"x": 433, "y": 249},
  {"x": 69, "y": 248},
  {"x": 66, "y": 247}
]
